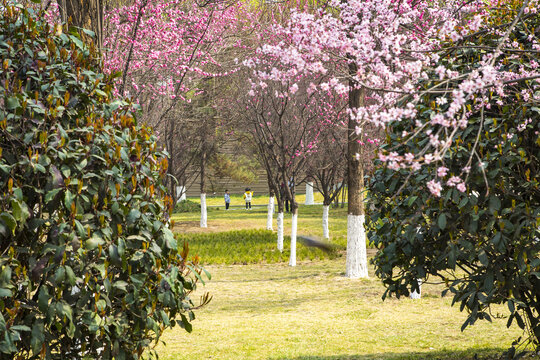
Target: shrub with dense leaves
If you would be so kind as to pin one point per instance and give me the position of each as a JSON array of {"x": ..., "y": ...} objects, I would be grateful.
[
  {"x": 187, "y": 206},
  {"x": 481, "y": 240},
  {"x": 88, "y": 267}
]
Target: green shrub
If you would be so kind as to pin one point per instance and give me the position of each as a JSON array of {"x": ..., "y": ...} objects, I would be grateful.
[
  {"x": 246, "y": 247},
  {"x": 88, "y": 268},
  {"x": 481, "y": 243},
  {"x": 187, "y": 206}
]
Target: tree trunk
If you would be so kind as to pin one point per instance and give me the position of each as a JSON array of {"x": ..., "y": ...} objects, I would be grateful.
[
  {"x": 180, "y": 193},
  {"x": 169, "y": 136},
  {"x": 343, "y": 193},
  {"x": 204, "y": 218},
  {"x": 417, "y": 294},
  {"x": 280, "y": 231},
  {"x": 86, "y": 14},
  {"x": 309, "y": 194},
  {"x": 280, "y": 224},
  {"x": 294, "y": 226},
  {"x": 270, "y": 214},
  {"x": 203, "y": 192},
  {"x": 326, "y": 233},
  {"x": 356, "y": 263}
]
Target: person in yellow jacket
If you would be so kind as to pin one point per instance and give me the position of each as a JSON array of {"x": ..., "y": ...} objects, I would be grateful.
[{"x": 248, "y": 195}]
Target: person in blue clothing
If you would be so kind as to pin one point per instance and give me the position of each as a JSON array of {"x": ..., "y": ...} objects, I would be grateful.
[{"x": 227, "y": 199}]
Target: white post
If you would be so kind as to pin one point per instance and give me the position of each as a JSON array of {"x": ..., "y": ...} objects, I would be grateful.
[
  {"x": 203, "y": 211},
  {"x": 280, "y": 231},
  {"x": 325, "y": 212},
  {"x": 417, "y": 295},
  {"x": 309, "y": 194},
  {"x": 270, "y": 214},
  {"x": 356, "y": 263},
  {"x": 180, "y": 193},
  {"x": 294, "y": 221}
]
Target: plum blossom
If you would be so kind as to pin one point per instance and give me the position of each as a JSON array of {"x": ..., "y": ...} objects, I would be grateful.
[
  {"x": 442, "y": 171},
  {"x": 434, "y": 188}
]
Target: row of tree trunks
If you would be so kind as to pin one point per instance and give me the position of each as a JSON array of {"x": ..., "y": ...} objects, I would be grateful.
[{"x": 89, "y": 14}]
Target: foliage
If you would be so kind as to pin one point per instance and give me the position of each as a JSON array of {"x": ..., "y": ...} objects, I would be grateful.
[
  {"x": 187, "y": 206},
  {"x": 238, "y": 167},
  {"x": 482, "y": 239},
  {"x": 250, "y": 247},
  {"x": 88, "y": 267}
]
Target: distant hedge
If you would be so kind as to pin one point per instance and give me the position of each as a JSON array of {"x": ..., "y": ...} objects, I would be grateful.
[
  {"x": 187, "y": 206},
  {"x": 247, "y": 247}
]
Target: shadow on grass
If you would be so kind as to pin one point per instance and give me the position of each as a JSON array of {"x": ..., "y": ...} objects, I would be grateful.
[{"x": 471, "y": 354}]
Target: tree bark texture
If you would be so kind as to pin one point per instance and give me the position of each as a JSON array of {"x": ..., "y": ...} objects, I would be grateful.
[
  {"x": 356, "y": 263},
  {"x": 86, "y": 14}
]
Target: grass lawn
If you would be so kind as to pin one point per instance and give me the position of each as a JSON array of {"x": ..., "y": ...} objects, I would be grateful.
[
  {"x": 251, "y": 247},
  {"x": 311, "y": 311},
  {"x": 238, "y": 200},
  {"x": 309, "y": 220}
]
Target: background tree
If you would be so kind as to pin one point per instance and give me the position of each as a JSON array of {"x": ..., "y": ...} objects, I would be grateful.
[
  {"x": 170, "y": 53},
  {"x": 328, "y": 167},
  {"x": 286, "y": 120},
  {"x": 89, "y": 266},
  {"x": 359, "y": 46},
  {"x": 85, "y": 14}
]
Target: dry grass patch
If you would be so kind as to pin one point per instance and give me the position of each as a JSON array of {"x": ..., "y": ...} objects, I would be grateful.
[{"x": 313, "y": 312}]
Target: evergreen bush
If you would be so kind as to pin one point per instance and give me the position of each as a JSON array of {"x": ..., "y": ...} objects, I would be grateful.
[
  {"x": 187, "y": 206},
  {"x": 89, "y": 268},
  {"x": 483, "y": 242}
]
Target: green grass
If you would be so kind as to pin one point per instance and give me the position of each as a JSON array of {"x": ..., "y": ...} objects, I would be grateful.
[
  {"x": 311, "y": 311},
  {"x": 275, "y": 312},
  {"x": 309, "y": 221},
  {"x": 258, "y": 199},
  {"x": 246, "y": 247}
]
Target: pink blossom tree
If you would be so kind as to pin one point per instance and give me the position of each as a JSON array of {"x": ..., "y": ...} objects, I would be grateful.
[
  {"x": 383, "y": 48},
  {"x": 166, "y": 51},
  {"x": 286, "y": 119},
  {"x": 462, "y": 175}
]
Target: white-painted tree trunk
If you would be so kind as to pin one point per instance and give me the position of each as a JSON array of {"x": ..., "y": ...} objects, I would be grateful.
[
  {"x": 325, "y": 212},
  {"x": 309, "y": 194},
  {"x": 181, "y": 193},
  {"x": 294, "y": 223},
  {"x": 280, "y": 231},
  {"x": 203, "y": 211},
  {"x": 417, "y": 295},
  {"x": 270, "y": 214},
  {"x": 356, "y": 265}
]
